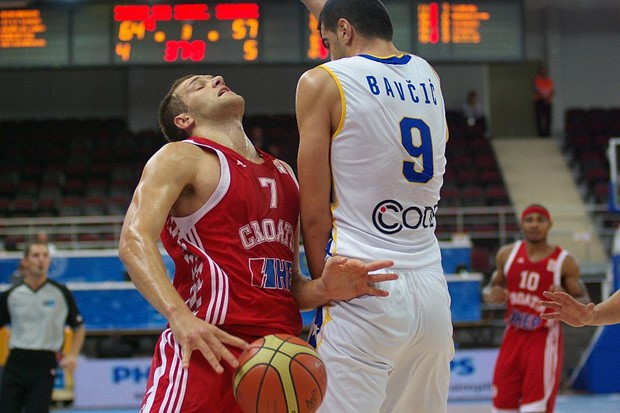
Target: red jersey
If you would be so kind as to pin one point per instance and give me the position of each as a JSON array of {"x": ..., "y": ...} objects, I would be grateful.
[
  {"x": 234, "y": 255},
  {"x": 526, "y": 281}
]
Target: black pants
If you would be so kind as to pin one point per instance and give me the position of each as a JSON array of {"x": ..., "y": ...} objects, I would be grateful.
[
  {"x": 28, "y": 381},
  {"x": 543, "y": 117}
]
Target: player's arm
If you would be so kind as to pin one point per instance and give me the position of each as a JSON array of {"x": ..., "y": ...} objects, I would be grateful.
[
  {"x": 314, "y": 6},
  {"x": 564, "y": 307},
  {"x": 495, "y": 291},
  {"x": 608, "y": 311},
  {"x": 316, "y": 98},
  {"x": 571, "y": 280},
  {"x": 165, "y": 176},
  {"x": 342, "y": 279}
]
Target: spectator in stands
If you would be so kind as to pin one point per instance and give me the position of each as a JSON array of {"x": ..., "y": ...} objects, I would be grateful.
[
  {"x": 10, "y": 244},
  {"x": 543, "y": 98},
  {"x": 577, "y": 314},
  {"x": 37, "y": 311},
  {"x": 43, "y": 237},
  {"x": 474, "y": 115},
  {"x": 227, "y": 213},
  {"x": 529, "y": 364}
]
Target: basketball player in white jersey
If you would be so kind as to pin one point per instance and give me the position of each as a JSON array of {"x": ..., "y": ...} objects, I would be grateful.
[{"x": 371, "y": 162}]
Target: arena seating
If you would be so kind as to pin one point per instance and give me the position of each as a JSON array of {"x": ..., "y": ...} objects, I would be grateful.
[
  {"x": 586, "y": 138},
  {"x": 89, "y": 168}
]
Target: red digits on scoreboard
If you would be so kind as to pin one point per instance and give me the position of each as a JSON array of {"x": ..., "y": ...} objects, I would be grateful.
[
  {"x": 191, "y": 12},
  {"x": 194, "y": 51},
  {"x": 237, "y": 11}
]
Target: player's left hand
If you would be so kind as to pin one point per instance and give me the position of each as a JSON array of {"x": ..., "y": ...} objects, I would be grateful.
[{"x": 346, "y": 278}]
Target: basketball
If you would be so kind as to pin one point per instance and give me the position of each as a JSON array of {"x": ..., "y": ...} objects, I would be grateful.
[{"x": 280, "y": 373}]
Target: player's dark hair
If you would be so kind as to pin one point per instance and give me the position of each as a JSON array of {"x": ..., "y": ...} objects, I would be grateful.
[
  {"x": 171, "y": 106},
  {"x": 369, "y": 17}
]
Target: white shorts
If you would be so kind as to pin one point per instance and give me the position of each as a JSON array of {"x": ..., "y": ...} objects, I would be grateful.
[{"x": 389, "y": 355}]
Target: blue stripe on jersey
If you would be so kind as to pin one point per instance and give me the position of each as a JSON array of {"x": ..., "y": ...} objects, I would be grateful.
[
  {"x": 392, "y": 60},
  {"x": 315, "y": 328}
]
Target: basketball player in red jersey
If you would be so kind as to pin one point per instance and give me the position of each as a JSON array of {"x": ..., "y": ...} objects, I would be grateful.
[
  {"x": 529, "y": 364},
  {"x": 227, "y": 214}
]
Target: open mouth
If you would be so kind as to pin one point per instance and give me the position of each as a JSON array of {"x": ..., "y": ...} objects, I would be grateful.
[{"x": 222, "y": 91}]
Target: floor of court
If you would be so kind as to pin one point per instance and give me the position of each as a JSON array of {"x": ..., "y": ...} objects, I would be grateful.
[{"x": 591, "y": 403}]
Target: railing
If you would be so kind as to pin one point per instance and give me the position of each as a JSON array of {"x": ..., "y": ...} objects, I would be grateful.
[
  {"x": 497, "y": 224},
  {"x": 83, "y": 232}
]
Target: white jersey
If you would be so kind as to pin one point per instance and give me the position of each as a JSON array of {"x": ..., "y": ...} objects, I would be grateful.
[{"x": 387, "y": 159}]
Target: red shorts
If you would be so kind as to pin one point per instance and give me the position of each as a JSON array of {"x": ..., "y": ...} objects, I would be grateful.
[
  {"x": 170, "y": 388},
  {"x": 528, "y": 369}
]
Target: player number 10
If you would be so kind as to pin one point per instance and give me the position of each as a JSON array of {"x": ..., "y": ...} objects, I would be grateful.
[{"x": 529, "y": 281}]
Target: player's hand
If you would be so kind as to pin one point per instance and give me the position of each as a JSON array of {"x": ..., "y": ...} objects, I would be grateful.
[
  {"x": 191, "y": 334},
  {"x": 496, "y": 295},
  {"x": 564, "y": 307},
  {"x": 346, "y": 278}
]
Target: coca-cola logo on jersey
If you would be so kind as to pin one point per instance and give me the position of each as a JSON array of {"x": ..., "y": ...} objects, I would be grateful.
[{"x": 390, "y": 217}]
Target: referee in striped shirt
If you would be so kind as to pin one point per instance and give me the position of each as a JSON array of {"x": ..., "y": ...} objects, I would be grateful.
[{"x": 37, "y": 311}]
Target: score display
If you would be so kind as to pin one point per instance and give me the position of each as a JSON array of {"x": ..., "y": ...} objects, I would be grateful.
[
  {"x": 34, "y": 37},
  {"x": 472, "y": 31},
  {"x": 187, "y": 33},
  {"x": 62, "y": 34}
]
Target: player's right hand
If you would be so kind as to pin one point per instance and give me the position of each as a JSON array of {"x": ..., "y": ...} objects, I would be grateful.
[
  {"x": 496, "y": 295},
  {"x": 192, "y": 333}
]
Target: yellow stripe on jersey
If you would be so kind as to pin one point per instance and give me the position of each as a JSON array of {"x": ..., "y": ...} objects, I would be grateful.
[
  {"x": 343, "y": 102},
  {"x": 343, "y": 106}
]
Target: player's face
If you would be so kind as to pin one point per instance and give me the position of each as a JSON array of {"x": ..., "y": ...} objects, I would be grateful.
[
  {"x": 37, "y": 261},
  {"x": 206, "y": 93},
  {"x": 535, "y": 227}
]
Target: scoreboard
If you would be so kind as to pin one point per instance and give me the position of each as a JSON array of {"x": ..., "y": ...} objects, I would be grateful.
[
  {"x": 95, "y": 33},
  {"x": 186, "y": 32},
  {"x": 474, "y": 31}
]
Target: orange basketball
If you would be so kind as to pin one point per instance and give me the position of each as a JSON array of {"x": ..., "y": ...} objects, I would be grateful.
[{"x": 280, "y": 373}]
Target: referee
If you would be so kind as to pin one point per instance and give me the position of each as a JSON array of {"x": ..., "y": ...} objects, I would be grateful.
[{"x": 37, "y": 310}]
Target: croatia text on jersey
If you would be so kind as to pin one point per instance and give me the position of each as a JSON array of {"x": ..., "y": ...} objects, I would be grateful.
[
  {"x": 267, "y": 230},
  {"x": 521, "y": 298},
  {"x": 390, "y": 216},
  {"x": 403, "y": 89}
]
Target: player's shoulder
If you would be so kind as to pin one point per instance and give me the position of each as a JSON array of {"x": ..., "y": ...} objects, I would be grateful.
[
  {"x": 505, "y": 250},
  {"x": 179, "y": 148},
  {"x": 316, "y": 77},
  {"x": 180, "y": 154},
  {"x": 569, "y": 260}
]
